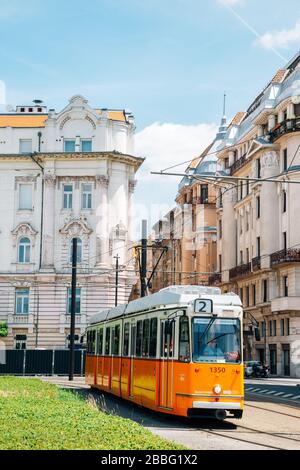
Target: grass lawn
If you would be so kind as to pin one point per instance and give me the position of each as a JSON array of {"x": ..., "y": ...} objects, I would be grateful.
[{"x": 37, "y": 415}]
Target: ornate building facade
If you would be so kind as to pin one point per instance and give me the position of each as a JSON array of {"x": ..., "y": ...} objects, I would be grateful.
[
  {"x": 259, "y": 240},
  {"x": 63, "y": 175}
]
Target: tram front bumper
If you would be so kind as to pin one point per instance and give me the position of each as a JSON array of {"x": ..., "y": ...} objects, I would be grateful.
[{"x": 217, "y": 405}]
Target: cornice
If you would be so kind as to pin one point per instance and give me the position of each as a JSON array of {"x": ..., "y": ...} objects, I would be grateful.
[{"x": 51, "y": 156}]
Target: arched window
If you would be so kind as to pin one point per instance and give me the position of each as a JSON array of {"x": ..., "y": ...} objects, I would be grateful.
[
  {"x": 79, "y": 250},
  {"x": 24, "y": 250}
]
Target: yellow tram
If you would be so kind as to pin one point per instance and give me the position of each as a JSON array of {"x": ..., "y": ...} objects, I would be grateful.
[{"x": 178, "y": 351}]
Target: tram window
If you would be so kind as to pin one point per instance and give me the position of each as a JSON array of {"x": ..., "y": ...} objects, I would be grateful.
[
  {"x": 153, "y": 337},
  {"x": 167, "y": 331},
  {"x": 92, "y": 342},
  {"x": 126, "y": 340},
  {"x": 115, "y": 340},
  {"x": 88, "y": 342},
  {"x": 100, "y": 342},
  {"x": 107, "y": 341},
  {"x": 146, "y": 332},
  {"x": 184, "y": 341},
  {"x": 139, "y": 336}
]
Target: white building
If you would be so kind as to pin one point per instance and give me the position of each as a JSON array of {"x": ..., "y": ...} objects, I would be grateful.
[
  {"x": 63, "y": 175},
  {"x": 259, "y": 223}
]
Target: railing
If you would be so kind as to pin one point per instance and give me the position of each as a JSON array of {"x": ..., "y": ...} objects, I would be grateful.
[
  {"x": 215, "y": 279},
  {"x": 23, "y": 319},
  {"x": 256, "y": 263},
  {"x": 200, "y": 200},
  {"x": 289, "y": 125},
  {"x": 290, "y": 255},
  {"x": 238, "y": 164},
  {"x": 240, "y": 270}
]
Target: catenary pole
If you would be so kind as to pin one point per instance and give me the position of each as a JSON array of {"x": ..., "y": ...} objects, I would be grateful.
[
  {"x": 73, "y": 309},
  {"x": 117, "y": 279},
  {"x": 144, "y": 260}
]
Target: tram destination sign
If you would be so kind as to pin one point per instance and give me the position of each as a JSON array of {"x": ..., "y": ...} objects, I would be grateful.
[{"x": 203, "y": 306}]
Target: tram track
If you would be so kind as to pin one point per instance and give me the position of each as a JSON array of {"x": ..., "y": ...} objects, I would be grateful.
[{"x": 274, "y": 411}]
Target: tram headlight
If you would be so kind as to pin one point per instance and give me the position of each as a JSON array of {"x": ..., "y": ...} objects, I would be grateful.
[{"x": 217, "y": 389}]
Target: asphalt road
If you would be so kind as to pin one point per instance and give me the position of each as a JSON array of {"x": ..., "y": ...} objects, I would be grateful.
[{"x": 267, "y": 424}]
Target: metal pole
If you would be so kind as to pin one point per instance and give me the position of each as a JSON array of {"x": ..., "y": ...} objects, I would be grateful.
[
  {"x": 144, "y": 260},
  {"x": 73, "y": 309},
  {"x": 117, "y": 279}
]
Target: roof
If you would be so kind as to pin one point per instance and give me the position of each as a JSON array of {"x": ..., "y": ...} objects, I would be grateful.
[
  {"x": 39, "y": 120},
  {"x": 236, "y": 121},
  {"x": 168, "y": 297},
  {"x": 23, "y": 120},
  {"x": 194, "y": 163},
  {"x": 279, "y": 76}
]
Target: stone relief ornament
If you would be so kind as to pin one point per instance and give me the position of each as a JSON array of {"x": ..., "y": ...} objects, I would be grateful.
[
  {"x": 24, "y": 230},
  {"x": 270, "y": 159}
]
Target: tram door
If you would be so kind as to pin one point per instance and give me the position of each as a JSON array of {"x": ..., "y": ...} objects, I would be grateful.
[
  {"x": 131, "y": 365},
  {"x": 166, "y": 366}
]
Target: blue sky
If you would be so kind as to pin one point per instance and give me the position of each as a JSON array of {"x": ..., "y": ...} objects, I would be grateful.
[{"x": 168, "y": 61}]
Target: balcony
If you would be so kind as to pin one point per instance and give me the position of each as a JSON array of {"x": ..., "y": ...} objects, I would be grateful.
[
  {"x": 215, "y": 279},
  {"x": 238, "y": 164},
  {"x": 240, "y": 271},
  {"x": 290, "y": 255},
  {"x": 285, "y": 304},
  {"x": 256, "y": 264},
  {"x": 287, "y": 126}
]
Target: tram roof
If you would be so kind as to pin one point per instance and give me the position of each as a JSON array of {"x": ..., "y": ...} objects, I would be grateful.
[{"x": 174, "y": 295}]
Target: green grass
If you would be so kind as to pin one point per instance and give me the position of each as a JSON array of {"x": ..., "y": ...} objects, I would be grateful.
[{"x": 37, "y": 415}]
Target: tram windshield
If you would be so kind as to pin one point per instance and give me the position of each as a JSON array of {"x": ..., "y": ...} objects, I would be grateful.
[{"x": 216, "y": 340}]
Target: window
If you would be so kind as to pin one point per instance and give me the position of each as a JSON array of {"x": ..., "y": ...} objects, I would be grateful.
[
  {"x": 86, "y": 145},
  {"x": 139, "y": 337},
  {"x": 25, "y": 197},
  {"x": 287, "y": 326},
  {"x": 258, "y": 246},
  {"x": 24, "y": 251},
  {"x": 258, "y": 207},
  {"x": 30, "y": 110},
  {"x": 241, "y": 191},
  {"x": 25, "y": 146},
  {"x": 285, "y": 160},
  {"x": 146, "y": 338},
  {"x": 247, "y": 296},
  {"x": 126, "y": 339},
  {"x": 274, "y": 328},
  {"x": 107, "y": 341},
  {"x": 247, "y": 186},
  {"x": 284, "y": 237},
  {"x": 258, "y": 168},
  {"x": 265, "y": 290},
  {"x": 204, "y": 194},
  {"x": 241, "y": 257},
  {"x": 100, "y": 342},
  {"x": 282, "y": 327},
  {"x": 77, "y": 302},
  {"x": 22, "y": 302},
  {"x": 220, "y": 263},
  {"x": 241, "y": 294},
  {"x": 184, "y": 340},
  {"x": 116, "y": 340},
  {"x": 20, "y": 342},
  {"x": 284, "y": 201},
  {"x": 91, "y": 341},
  {"x": 247, "y": 221},
  {"x": 285, "y": 286},
  {"x": 69, "y": 145},
  {"x": 270, "y": 328},
  {"x": 68, "y": 196},
  {"x": 86, "y": 197},
  {"x": 254, "y": 294},
  {"x": 247, "y": 255},
  {"x": 153, "y": 337},
  {"x": 79, "y": 251}
]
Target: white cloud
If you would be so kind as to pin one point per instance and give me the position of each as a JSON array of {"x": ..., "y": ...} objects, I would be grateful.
[
  {"x": 281, "y": 39},
  {"x": 165, "y": 145}
]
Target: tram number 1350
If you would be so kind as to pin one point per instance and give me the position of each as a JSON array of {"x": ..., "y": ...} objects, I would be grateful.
[{"x": 203, "y": 306}]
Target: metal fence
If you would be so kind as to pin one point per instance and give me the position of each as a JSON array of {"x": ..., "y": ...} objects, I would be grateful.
[{"x": 41, "y": 362}]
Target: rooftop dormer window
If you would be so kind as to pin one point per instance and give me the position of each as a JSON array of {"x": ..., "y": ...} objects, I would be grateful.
[{"x": 30, "y": 110}]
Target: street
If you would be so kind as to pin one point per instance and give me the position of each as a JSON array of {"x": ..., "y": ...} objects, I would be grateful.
[{"x": 269, "y": 423}]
